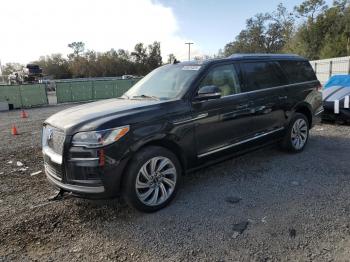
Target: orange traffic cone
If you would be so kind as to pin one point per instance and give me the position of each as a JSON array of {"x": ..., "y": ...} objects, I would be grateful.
[
  {"x": 14, "y": 131},
  {"x": 24, "y": 114}
]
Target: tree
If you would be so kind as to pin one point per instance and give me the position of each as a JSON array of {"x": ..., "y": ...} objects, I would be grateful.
[
  {"x": 171, "y": 58},
  {"x": 286, "y": 21},
  {"x": 310, "y": 8},
  {"x": 55, "y": 66},
  {"x": 78, "y": 48},
  {"x": 264, "y": 33},
  {"x": 139, "y": 54},
  {"x": 326, "y": 34},
  {"x": 9, "y": 68},
  {"x": 154, "y": 58},
  {"x": 323, "y": 33},
  {"x": 89, "y": 63}
]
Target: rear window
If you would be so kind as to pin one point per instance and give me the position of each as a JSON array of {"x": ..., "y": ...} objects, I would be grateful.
[
  {"x": 260, "y": 75},
  {"x": 298, "y": 71}
]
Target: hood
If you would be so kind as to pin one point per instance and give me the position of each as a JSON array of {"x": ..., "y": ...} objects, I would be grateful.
[
  {"x": 335, "y": 93},
  {"x": 82, "y": 117}
]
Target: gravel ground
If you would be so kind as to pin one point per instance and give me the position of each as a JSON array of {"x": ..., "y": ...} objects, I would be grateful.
[{"x": 263, "y": 206}]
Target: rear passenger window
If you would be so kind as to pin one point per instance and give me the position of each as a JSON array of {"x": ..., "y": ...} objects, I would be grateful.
[
  {"x": 298, "y": 71},
  {"x": 260, "y": 75}
]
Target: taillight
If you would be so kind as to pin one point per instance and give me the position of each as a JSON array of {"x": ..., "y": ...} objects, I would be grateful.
[{"x": 319, "y": 87}]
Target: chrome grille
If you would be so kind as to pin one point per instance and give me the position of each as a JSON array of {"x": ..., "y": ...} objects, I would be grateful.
[{"x": 54, "y": 139}]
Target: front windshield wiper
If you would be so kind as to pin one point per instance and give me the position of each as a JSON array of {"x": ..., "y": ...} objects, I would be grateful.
[{"x": 146, "y": 96}]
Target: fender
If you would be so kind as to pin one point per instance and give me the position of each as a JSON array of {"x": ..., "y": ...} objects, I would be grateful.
[{"x": 301, "y": 107}]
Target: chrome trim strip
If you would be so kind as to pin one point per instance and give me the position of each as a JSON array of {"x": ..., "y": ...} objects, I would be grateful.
[
  {"x": 239, "y": 143},
  {"x": 83, "y": 159},
  {"x": 204, "y": 115},
  {"x": 75, "y": 188},
  {"x": 49, "y": 173},
  {"x": 52, "y": 155},
  {"x": 319, "y": 112},
  {"x": 268, "y": 88}
]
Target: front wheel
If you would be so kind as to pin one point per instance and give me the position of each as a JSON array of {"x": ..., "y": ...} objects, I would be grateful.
[
  {"x": 297, "y": 134},
  {"x": 152, "y": 179}
]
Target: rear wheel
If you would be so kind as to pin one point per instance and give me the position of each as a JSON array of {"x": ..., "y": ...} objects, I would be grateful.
[
  {"x": 297, "y": 134},
  {"x": 152, "y": 179}
]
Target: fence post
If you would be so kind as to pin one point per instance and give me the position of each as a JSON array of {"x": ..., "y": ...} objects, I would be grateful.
[
  {"x": 316, "y": 68},
  {"x": 349, "y": 67},
  {"x": 92, "y": 90},
  {"x": 330, "y": 68},
  {"x": 20, "y": 94},
  {"x": 71, "y": 92}
]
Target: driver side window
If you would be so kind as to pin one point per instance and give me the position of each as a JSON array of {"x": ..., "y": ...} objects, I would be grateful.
[{"x": 225, "y": 78}]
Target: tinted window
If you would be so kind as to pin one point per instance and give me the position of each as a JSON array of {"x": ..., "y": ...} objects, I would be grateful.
[
  {"x": 259, "y": 75},
  {"x": 298, "y": 71},
  {"x": 225, "y": 78}
]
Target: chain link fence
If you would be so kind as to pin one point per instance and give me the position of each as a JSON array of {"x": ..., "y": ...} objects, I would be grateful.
[
  {"x": 326, "y": 68},
  {"x": 56, "y": 92}
]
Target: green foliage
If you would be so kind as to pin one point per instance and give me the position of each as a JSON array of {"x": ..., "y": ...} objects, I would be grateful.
[
  {"x": 78, "y": 48},
  {"x": 321, "y": 31},
  {"x": 55, "y": 65},
  {"x": 171, "y": 58},
  {"x": 326, "y": 35},
  {"x": 264, "y": 33},
  {"x": 89, "y": 63},
  {"x": 9, "y": 68},
  {"x": 310, "y": 8}
]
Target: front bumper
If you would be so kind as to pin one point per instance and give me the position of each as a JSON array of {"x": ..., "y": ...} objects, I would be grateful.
[
  {"x": 329, "y": 114},
  {"x": 74, "y": 188},
  {"x": 85, "y": 177}
]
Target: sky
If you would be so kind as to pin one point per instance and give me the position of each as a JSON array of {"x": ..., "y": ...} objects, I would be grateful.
[{"x": 31, "y": 29}]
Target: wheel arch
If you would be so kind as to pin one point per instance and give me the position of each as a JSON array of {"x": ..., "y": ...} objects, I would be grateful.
[
  {"x": 169, "y": 145},
  {"x": 161, "y": 141},
  {"x": 305, "y": 109}
]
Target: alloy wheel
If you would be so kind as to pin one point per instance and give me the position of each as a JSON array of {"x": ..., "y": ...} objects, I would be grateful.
[
  {"x": 299, "y": 133},
  {"x": 156, "y": 181}
]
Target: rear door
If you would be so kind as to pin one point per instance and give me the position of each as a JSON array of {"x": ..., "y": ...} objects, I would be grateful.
[{"x": 265, "y": 83}]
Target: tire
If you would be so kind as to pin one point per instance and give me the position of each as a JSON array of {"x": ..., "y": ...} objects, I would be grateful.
[
  {"x": 149, "y": 191},
  {"x": 297, "y": 134}
]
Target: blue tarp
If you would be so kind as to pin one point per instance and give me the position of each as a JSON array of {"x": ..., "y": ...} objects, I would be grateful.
[{"x": 338, "y": 80}]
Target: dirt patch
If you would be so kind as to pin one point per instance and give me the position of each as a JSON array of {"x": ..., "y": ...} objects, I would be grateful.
[{"x": 291, "y": 208}]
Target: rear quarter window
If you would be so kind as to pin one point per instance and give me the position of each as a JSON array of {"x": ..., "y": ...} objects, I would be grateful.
[{"x": 298, "y": 71}]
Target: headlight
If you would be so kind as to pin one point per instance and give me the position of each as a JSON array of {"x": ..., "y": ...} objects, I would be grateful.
[{"x": 94, "y": 139}]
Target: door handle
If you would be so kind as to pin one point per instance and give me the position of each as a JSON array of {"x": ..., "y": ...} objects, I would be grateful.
[
  {"x": 282, "y": 97},
  {"x": 242, "y": 106}
]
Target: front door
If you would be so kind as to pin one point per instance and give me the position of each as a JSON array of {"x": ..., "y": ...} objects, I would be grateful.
[{"x": 223, "y": 121}]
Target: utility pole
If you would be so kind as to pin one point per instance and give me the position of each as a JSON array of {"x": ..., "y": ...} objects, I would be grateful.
[{"x": 189, "y": 50}]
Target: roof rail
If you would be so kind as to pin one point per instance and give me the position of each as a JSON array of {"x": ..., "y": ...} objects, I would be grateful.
[{"x": 262, "y": 55}]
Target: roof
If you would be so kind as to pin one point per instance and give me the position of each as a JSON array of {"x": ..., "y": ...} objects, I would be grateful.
[{"x": 244, "y": 57}]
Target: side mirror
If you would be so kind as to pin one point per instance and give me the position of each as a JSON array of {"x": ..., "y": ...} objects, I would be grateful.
[{"x": 208, "y": 92}]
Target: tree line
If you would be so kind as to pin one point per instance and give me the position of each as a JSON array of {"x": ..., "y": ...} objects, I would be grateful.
[
  {"x": 81, "y": 63},
  {"x": 312, "y": 29}
]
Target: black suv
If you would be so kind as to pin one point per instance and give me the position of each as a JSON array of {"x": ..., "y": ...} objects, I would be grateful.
[{"x": 178, "y": 118}]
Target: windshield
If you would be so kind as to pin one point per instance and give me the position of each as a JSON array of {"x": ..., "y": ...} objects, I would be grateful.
[{"x": 164, "y": 83}]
